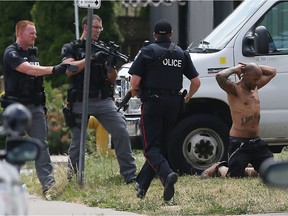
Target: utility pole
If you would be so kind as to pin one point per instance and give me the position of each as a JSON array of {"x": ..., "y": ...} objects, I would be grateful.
[{"x": 90, "y": 5}]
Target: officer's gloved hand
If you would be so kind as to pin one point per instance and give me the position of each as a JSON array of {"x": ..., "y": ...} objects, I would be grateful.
[
  {"x": 60, "y": 68},
  {"x": 111, "y": 61},
  {"x": 100, "y": 57}
]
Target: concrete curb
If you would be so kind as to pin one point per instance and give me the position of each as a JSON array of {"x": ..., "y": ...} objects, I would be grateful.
[{"x": 39, "y": 206}]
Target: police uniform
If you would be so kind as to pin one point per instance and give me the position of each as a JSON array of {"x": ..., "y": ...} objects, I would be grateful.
[
  {"x": 29, "y": 91},
  {"x": 101, "y": 106},
  {"x": 161, "y": 66}
]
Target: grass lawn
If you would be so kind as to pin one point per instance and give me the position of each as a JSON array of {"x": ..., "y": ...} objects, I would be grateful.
[{"x": 104, "y": 187}]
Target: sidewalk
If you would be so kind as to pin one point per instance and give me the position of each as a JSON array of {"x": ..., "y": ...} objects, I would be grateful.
[{"x": 39, "y": 206}]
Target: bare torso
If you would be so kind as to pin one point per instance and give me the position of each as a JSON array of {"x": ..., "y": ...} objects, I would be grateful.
[{"x": 245, "y": 112}]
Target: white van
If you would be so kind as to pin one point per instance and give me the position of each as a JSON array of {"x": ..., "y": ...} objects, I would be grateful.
[{"x": 257, "y": 31}]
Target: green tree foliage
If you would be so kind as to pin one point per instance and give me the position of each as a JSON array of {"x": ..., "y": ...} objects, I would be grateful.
[
  {"x": 111, "y": 29},
  {"x": 11, "y": 12},
  {"x": 55, "y": 24}
]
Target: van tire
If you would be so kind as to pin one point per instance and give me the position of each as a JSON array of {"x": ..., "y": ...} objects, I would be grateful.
[{"x": 183, "y": 152}]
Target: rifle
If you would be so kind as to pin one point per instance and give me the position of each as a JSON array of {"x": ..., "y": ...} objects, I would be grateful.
[
  {"x": 125, "y": 100},
  {"x": 111, "y": 49}
]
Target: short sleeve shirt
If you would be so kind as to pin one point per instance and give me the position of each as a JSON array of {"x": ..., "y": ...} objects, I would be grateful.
[{"x": 145, "y": 67}]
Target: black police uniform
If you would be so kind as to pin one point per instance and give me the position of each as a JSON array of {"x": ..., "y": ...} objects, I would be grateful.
[
  {"x": 99, "y": 85},
  {"x": 161, "y": 66},
  {"x": 102, "y": 106},
  {"x": 29, "y": 91}
]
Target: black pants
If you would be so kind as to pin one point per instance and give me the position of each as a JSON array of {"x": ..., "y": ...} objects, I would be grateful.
[
  {"x": 158, "y": 117},
  {"x": 241, "y": 152}
]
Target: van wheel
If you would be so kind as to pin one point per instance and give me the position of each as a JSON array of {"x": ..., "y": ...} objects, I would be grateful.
[{"x": 196, "y": 143}]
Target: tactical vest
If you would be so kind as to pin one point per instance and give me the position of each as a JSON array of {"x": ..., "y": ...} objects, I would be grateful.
[
  {"x": 166, "y": 69},
  {"x": 21, "y": 87},
  {"x": 98, "y": 75}
]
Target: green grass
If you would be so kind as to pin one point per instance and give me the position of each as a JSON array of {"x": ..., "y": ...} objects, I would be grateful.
[{"x": 104, "y": 187}]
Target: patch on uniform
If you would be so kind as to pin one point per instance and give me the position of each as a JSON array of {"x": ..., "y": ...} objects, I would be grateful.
[
  {"x": 13, "y": 54},
  {"x": 63, "y": 50}
]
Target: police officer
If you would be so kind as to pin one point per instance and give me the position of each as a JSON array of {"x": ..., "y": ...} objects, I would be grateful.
[
  {"x": 100, "y": 103},
  {"x": 157, "y": 74},
  {"x": 23, "y": 81}
]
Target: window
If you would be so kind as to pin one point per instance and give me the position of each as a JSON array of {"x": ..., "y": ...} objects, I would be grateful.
[{"x": 276, "y": 23}]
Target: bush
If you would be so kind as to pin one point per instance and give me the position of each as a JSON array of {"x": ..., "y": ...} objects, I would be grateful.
[{"x": 58, "y": 134}]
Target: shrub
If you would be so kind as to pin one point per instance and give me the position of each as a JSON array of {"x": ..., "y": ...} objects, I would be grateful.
[{"x": 58, "y": 134}]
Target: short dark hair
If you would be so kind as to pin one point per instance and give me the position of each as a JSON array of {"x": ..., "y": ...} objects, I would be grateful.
[{"x": 94, "y": 16}]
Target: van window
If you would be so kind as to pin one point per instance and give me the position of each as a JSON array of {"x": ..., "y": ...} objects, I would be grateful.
[
  {"x": 222, "y": 34},
  {"x": 276, "y": 23}
]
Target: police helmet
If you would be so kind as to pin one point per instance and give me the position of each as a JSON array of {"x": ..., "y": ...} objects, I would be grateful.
[{"x": 16, "y": 119}]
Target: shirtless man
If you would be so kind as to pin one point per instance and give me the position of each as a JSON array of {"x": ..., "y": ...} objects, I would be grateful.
[{"x": 245, "y": 144}]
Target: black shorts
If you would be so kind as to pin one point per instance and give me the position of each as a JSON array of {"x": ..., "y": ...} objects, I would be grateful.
[{"x": 243, "y": 151}]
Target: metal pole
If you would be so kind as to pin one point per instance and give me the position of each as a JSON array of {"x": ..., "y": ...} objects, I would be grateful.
[
  {"x": 76, "y": 15},
  {"x": 85, "y": 99}
]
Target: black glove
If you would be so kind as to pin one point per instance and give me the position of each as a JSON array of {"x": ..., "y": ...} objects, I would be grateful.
[
  {"x": 100, "y": 57},
  {"x": 112, "y": 60},
  {"x": 60, "y": 68}
]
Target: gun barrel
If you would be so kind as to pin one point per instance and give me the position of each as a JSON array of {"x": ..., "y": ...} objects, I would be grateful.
[
  {"x": 112, "y": 51},
  {"x": 122, "y": 57},
  {"x": 125, "y": 100}
]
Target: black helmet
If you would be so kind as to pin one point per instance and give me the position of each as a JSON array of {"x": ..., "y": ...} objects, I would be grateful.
[{"x": 16, "y": 119}]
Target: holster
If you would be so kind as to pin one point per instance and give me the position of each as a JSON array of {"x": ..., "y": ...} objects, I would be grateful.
[
  {"x": 71, "y": 96},
  {"x": 69, "y": 116},
  {"x": 40, "y": 99},
  {"x": 183, "y": 104}
]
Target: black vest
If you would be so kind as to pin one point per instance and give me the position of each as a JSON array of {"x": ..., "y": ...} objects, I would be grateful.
[
  {"x": 166, "y": 69},
  {"x": 98, "y": 73},
  {"x": 19, "y": 84}
]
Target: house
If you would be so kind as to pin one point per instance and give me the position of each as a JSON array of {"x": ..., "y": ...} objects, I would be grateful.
[{"x": 191, "y": 20}]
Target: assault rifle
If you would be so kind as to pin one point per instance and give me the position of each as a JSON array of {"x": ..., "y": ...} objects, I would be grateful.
[
  {"x": 111, "y": 49},
  {"x": 124, "y": 100}
]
